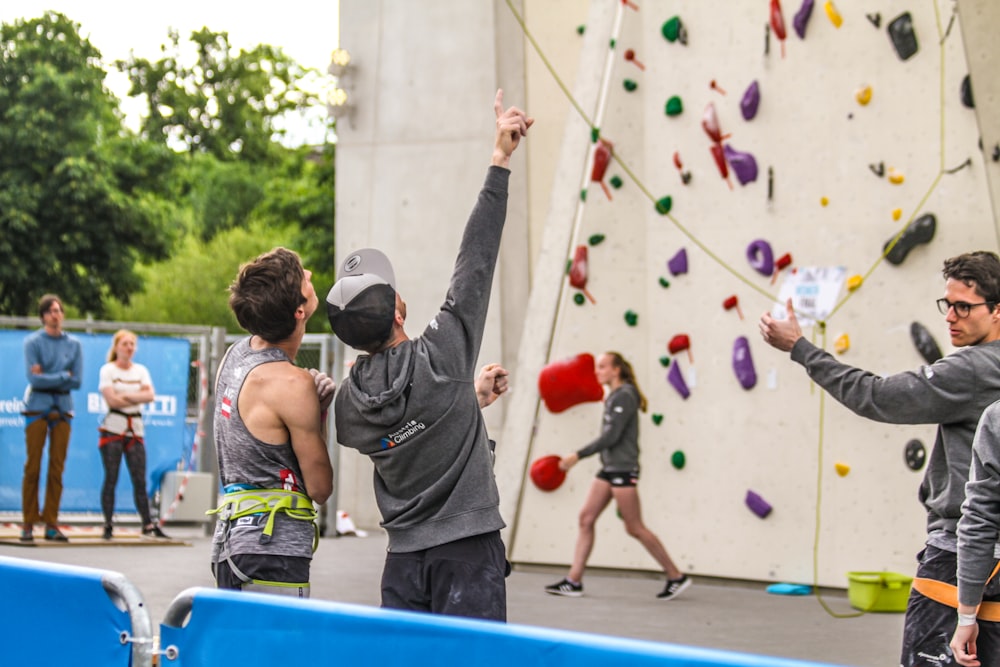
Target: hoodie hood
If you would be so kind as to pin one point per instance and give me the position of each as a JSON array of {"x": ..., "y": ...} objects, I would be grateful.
[{"x": 380, "y": 384}]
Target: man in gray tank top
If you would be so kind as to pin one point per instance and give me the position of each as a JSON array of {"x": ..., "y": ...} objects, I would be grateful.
[{"x": 269, "y": 433}]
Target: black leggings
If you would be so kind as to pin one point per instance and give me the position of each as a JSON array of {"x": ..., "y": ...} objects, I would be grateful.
[{"x": 135, "y": 458}]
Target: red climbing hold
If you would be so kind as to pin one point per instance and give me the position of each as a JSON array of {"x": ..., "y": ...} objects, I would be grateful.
[
  {"x": 630, "y": 56},
  {"x": 563, "y": 384},
  {"x": 778, "y": 24},
  {"x": 578, "y": 272},
  {"x": 602, "y": 158},
  {"x": 720, "y": 161},
  {"x": 780, "y": 264},
  {"x": 678, "y": 343},
  {"x": 733, "y": 302},
  {"x": 710, "y": 123}
]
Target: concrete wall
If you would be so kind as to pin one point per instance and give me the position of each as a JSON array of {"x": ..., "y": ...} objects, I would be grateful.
[{"x": 399, "y": 171}]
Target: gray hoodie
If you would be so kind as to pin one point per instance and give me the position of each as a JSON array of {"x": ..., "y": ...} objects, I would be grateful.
[
  {"x": 413, "y": 408},
  {"x": 952, "y": 393},
  {"x": 979, "y": 528}
]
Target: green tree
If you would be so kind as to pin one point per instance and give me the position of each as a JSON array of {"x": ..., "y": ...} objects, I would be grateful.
[
  {"x": 192, "y": 286},
  {"x": 80, "y": 203},
  {"x": 226, "y": 103}
]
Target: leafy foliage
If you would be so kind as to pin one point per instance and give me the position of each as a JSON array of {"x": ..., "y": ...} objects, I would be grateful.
[
  {"x": 79, "y": 203},
  {"x": 225, "y": 104}
]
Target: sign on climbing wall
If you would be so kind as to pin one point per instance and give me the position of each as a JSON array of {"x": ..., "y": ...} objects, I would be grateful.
[
  {"x": 813, "y": 291},
  {"x": 167, "y": 359}
]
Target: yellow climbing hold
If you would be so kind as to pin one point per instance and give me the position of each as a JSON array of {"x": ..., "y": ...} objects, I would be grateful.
[
  {"x": 854, "y": 282},
  {"x": 842, "y": 468},
  {"x": 864, "y": 95},
  {"x": 895, "y": 177},
  {"x": 897, "y": 213},
  {"x": 823, "y": 201},
  {"x": 842, "y": 344},
  {"x": 831, "y": 13}
]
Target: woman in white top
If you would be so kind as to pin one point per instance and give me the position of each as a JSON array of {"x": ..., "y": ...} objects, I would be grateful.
[{"x": 126, "y": 386}]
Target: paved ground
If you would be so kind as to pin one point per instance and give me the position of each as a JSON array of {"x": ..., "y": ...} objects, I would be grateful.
[{"x": 724, "y": 615}]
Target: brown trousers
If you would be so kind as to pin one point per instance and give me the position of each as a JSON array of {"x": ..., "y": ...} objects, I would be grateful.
[{"x": 57, "y": 429}]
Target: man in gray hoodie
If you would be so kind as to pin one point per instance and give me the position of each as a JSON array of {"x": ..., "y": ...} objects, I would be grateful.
[
  {"x": 952, "y": 393},
  {"x": 412, "y": 407}
]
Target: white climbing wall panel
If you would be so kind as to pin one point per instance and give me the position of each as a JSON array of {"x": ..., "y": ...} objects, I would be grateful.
[{"x": 829, "y": 204}]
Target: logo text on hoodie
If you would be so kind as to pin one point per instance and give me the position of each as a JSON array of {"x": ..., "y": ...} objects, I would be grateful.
[{"x": 410, "y": 428}]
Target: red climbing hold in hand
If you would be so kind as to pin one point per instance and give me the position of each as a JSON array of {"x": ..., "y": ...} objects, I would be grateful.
[{"x": 578, "y": 272}]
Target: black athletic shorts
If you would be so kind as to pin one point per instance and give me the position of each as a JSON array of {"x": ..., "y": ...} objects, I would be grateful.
[
  {"x": 619, "y": 478},
  {"x": 460, "y": 578},
  {"x": 929, "y": 625}
]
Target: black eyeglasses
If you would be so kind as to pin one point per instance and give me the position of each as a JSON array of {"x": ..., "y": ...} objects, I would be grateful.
[{"x": 962, "y": 309}]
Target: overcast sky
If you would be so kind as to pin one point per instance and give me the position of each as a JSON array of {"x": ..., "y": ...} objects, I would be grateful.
[{"x": 306, "y": 30}]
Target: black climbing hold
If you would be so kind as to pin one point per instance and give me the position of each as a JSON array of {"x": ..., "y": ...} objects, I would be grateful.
[
  {"x": 878, "y": 169},
  {"x": 917, "y": 232},
  {"x": 876, "y": 19},
  {"x": 966, "y": 92},
  {"x": 914, "y": 454},
  {"x": 925, "y": 343},
  {"x": 904, "y": 40}
]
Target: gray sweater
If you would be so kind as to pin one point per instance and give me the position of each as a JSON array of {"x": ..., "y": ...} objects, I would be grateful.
[
  {"x": 619, "y": 439},
  {"x": 952, "y": 393},
  {"x": 413, "y": 408},
  {"x": 979, "y": 528}
]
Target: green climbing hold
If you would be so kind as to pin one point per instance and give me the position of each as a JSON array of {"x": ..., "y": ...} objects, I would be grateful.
[
  {"x": 595, "y": 239},
  {"x": 631, "y": 317},
  {"x": 612, "y": 44},
  {"x": 664, "y": 361},
  {"x": 579, "y": 299},
  {"x": 580, "y": 29},
  {"x": 664, "y": 282},
  {"x": 616, "y": 182},
  {"x": 677, "y": 459},
  {"x": 583, "y": 194},
  {"x": 595, "y": 134},
  {"x": 569, "y": 265},
  {"x": 630, "y": 85},
  {"x": 673, "y": 30},
  {"x": 657, "y": 418},
  {"x": 664, "y": 204},
  {"x": 674, "y": 106}
]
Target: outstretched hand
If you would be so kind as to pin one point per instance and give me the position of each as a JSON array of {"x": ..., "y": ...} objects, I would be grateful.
[
  {"x": 781, "y": 334},
  {"x": 512, "y": 124}
]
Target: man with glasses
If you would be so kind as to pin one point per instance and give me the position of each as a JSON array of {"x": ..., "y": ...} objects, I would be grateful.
[{"x": 952, "y": 393}]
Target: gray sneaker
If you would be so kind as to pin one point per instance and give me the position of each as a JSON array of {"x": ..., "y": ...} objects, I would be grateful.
[
  {"x": 565, "y": 588},
  {"x": 674, "y": 588}
]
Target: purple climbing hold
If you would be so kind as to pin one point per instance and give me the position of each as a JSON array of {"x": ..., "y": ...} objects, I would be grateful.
[
  {"x": 676, "y": 379},
  {"x": 801, "y": 19},
  {"x": 750, "y": 101},
  {"x": 758, "y": 505},
  {"x": 761, "y": 257},
  {"x": 678, "y": 264},
  {"x": 744, "y": 165},
  {"x": 743, "y": 363}
]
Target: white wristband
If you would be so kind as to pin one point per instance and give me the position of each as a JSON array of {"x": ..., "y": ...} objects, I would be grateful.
[{"x": 966, "y": 619}]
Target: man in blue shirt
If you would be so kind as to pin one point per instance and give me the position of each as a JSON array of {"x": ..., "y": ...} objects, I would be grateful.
[{"x": 54, "y": 363}]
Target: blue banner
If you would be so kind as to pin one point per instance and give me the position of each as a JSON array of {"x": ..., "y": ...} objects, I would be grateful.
[{"x": 168, "y": 361}]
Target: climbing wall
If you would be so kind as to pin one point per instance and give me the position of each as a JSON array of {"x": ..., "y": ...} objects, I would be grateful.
[{"x": 747, "y": 152}]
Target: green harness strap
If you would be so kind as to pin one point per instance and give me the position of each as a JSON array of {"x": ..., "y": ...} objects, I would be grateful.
[{"x": 293, "y": 504}]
